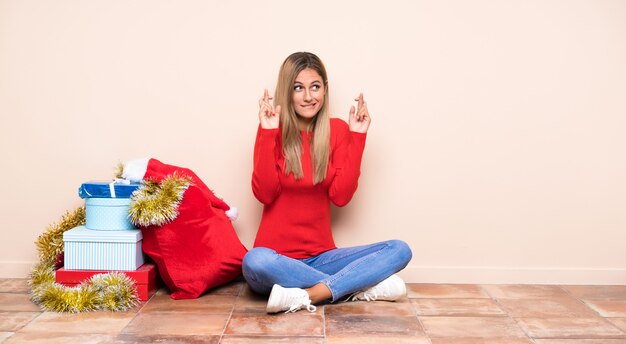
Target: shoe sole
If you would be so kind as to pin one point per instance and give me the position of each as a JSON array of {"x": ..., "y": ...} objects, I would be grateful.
[{"x": 272, "y": 301}]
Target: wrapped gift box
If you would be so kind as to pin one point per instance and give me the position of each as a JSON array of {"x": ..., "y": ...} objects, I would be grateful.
[
  {"x": 87, "y": 249},
  {"x": 146, "y": 278},
  {"x": 107, "y": 214},
  {"x": 118, "y": 188}
]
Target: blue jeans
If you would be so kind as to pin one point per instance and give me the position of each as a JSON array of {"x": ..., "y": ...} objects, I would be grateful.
[{"x": 343, "y": 270}]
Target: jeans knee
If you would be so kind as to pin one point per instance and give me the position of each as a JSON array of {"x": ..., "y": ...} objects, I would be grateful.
[
  {"x": 256, "y": 259},
  {"x": 256, "y": 267},
  {"x": 402, "y": 249}
]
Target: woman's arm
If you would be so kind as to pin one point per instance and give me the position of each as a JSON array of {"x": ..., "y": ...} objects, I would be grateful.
[
  {"x": 265, "y": 175},
  {"x": 348, "y": 154},
  {"x": 347, "y": 162}
]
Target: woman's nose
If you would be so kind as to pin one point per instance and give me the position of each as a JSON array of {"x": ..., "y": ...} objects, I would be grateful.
[{"x": 307, "y": 96}]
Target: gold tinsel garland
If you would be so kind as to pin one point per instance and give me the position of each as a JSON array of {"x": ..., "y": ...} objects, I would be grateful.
[
  {"x": 156, "y": 204},
  {"x": 112, "y": 291}
]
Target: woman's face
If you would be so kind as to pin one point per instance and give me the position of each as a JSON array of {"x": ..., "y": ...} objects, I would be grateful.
[{"x": 308, "y": 94}]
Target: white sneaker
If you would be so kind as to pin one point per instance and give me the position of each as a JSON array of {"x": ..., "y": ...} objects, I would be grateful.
[
  {"x": 390, "y": 289},
  {"x": 288, "y": 300}
]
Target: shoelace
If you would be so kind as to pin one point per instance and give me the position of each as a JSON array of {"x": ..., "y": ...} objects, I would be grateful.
[
  {"x": 297, "y": 306},
  {"x": 371, "y": 295}
]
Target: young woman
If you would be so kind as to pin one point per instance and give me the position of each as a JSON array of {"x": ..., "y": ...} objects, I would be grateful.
[{"x": 303, "y": 160}]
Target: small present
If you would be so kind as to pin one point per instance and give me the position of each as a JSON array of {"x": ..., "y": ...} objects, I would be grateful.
[
  {"x": 146, "y": 278},
  {"x": 107, "y": 204},
  {"x": 107, "y": 214},
  {"x": 87, "y": 249},
  {"x": 118, "y": 188}
]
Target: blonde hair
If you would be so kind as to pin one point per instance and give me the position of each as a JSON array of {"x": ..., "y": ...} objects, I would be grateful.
[{"x": 291, "y": 140}]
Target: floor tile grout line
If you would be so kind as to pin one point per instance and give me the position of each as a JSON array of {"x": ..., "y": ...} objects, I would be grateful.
[
  {"x": 516, "y": 322},
  {"x": 613, "y": 325},
  {"x": 508, "y": 314},
  {"x": 134, "y": 316},
  {"x": 486, "y": 291},
  {"x": 581, "y": 300},
  {"x": 622, "y": 336},
  {"x": 231, "y": 314},
  {"x": 490, "y": 297},
  {"x": 419, "y": 321},
  {"x": 324, "y": 322},
  {"x": 21, "y": 327}
]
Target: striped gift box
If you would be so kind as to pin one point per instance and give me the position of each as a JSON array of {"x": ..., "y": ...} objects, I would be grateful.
[{"x": 87, "y": 249}]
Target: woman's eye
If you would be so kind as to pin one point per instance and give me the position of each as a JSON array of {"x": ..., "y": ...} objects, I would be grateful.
[
  {"x": 315, "y": 87},
  {"x": 297, "y": 88}
]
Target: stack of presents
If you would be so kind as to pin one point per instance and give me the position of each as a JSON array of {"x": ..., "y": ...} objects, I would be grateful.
[{"x": 108, "y": 241}]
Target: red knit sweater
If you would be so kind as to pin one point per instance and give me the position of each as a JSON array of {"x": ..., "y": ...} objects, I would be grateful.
[{"x": 296, "y": 213}]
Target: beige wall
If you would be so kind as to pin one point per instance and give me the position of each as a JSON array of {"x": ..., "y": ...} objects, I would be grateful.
[{"x": 496, "y": 149}]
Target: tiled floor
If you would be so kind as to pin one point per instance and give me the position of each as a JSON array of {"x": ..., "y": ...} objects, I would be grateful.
[{"x": 432, "y": 313}]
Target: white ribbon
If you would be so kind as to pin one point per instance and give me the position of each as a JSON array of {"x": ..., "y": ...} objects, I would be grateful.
[{"x": 118, "y": 181}]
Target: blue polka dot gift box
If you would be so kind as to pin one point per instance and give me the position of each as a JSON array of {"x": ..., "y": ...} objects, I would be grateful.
[{"x": 107, "y": 204}]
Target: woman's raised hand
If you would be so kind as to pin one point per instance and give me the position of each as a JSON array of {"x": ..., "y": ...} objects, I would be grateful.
[
  {"x": 267, "y": 116},
  {"x": 359, "y": 120}
]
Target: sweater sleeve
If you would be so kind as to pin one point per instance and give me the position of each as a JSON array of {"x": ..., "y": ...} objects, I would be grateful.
[
  {"x": 347, "y": 162},
  {"x": 265, "y": 174}
]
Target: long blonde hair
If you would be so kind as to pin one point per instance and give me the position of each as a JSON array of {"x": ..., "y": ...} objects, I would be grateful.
[{"x": 291, "y": 140}]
